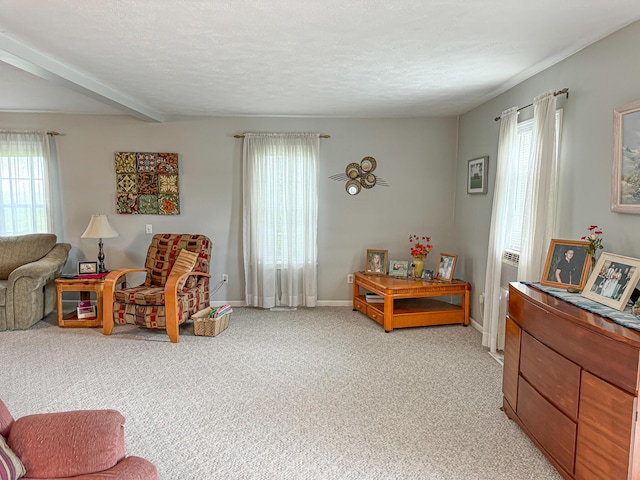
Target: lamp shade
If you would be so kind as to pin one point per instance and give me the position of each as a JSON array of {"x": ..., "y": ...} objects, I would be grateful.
[{"x": 99, "y": 227}]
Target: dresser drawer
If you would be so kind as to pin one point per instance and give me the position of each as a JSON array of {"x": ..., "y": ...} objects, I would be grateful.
[
  {"x": 614, "y": 361},
  {"x": 605, "y": 432},
  {"x": 555, "y": 432},
  {"x": 555, "y": 377}
]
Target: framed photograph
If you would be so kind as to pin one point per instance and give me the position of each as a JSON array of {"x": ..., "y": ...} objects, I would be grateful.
[
  {"x": 613, "y": 280},
  {"x": 625, "y": 171},
  {"x": 376, "y": 261},
  {"x": 477, "y": 175},
  {"x": 446, "y": 266},
  {"x": 567, "y": 264},
  {"x": 398, "y": 268},
  {"x": 86, "y": 268}
]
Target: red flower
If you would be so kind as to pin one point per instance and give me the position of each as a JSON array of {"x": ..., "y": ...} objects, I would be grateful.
[{"x": 419, "y": 246}]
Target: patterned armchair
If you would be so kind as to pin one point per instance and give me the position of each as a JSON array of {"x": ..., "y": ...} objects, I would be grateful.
[{"x": 173, "y": 291}]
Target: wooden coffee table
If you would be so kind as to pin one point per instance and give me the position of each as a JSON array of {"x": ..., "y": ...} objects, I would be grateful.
[{"x": 407, "y": 302}]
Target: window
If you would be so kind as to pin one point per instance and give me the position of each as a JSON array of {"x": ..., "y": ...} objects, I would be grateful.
[
  {"x": 24, "y": 192},
  {"x": 525, "y": 134},
  {"x": 283, "y": 181},
  {"x": 280, "y": 224}
]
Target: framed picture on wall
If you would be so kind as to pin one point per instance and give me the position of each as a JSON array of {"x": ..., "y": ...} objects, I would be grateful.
[
  {"x": 613, "y": 280},
  {"x": 477, "y": 175},
  {"x": 567, "y": 264},
  {"x": 625, "y": 171},
  {"x": 376, "y": 261}
]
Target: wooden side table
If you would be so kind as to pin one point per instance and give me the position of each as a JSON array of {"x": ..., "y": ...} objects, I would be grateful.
[{"x": 85, "y": 286}]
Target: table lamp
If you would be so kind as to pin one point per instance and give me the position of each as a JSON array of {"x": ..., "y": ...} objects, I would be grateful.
[{"x": 99, "y": 227}]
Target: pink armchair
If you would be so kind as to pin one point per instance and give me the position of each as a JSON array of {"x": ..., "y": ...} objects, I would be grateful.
[{"x": 83, "y": 445}]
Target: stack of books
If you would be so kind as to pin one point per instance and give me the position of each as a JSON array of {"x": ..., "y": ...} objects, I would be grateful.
[
  {"x": 219, "y": 311},
  {"x": 374, "y": 298},
  {"x": 86, "y": 309}
]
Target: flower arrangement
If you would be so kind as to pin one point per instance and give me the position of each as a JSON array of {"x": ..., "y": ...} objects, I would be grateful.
[
  {"x": 420, "y": 246},
  {"x": 594, "y": 237}
]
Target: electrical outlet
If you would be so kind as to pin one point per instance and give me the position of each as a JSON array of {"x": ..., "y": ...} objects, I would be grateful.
[
  {"x": 225, "y": 278},
  {"x": 350, "y": 278},
  {"x": 148, "y": 228}
]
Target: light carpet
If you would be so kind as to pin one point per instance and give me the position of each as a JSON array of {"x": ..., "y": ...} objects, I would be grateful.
[{"x": 318, "y": 393}]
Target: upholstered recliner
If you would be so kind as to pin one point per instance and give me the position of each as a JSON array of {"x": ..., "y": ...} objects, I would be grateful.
[
  {"x": 29, "y": 265},
  {"x": 176, "y": 286},
  {"x": 83, "y": 445}
]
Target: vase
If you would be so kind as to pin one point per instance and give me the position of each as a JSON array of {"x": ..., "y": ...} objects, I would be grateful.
[{"x": 418, "y": 267}]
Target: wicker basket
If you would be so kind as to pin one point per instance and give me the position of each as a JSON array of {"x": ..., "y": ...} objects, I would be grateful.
[{"x": 209, "y": 327}]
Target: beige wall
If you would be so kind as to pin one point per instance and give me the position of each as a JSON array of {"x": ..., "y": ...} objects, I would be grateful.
[
  {"x": 600, "y": 78},
  {"x": 415, "y": 156}
]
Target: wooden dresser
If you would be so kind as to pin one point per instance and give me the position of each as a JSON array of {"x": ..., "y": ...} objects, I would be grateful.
[{"x": 571, "y": 382}]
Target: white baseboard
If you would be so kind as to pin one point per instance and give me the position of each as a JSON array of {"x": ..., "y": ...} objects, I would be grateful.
[{"x": 475, "y": 324}]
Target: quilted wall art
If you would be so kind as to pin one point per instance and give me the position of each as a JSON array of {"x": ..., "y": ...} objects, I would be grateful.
[{"x": 147, "y": 183}]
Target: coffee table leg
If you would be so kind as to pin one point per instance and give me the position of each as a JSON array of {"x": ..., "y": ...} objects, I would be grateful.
[{"x": 388, "y": 313}]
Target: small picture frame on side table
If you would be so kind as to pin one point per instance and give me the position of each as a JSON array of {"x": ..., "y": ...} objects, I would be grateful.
[
  {"x": 446, "y": 266},
  {"x": 87, "y": 268},
  {"x": 376, "y": 261},
  {"x": 399, "y": 268}
]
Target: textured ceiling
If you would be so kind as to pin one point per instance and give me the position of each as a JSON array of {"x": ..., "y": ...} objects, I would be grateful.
[{"x": 356, "y": 58}]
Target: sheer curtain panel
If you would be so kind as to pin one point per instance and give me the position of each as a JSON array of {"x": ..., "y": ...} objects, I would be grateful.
[
  {"x": 280, "y": 219},
  {"x": 540, "y": 200},
  {"x": 503, "y": 200},
  {"x": 24, "y": 183}
]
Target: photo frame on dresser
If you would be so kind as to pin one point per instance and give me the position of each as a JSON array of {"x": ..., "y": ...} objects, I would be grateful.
[
  {"x": 613, "y": 280},
  {"x": 567, "y": 264}
]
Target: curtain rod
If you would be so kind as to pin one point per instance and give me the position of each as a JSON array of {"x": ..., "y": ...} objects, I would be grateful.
[
  {"x": 55, "y": 134},
  {"x": 321, "y": 136},
  {"x": 555, "y": 94}
]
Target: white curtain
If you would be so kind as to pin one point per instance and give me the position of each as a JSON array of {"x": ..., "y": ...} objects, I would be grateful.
[
  {"x": 540, "y": 200},
  {"x": 499, "y": 232},
  {"x": 280, "y": 219},
  {"x": 25, "y": 194}
]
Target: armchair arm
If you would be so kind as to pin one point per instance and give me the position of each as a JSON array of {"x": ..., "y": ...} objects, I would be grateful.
[
  {"x": 66, "y": 444},
  {"x": 25, "y": 283},
  {"x": 130, "y": 468},
  {"x": 171, "y": 301},
  {"x": 110, "y": 282}
]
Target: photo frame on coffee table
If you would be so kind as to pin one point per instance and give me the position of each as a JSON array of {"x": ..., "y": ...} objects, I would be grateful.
[
  {"x": 399, "y": 268},
  {"x": 376, "y": 261},
  {"x": 613, "y": 280},
  {"x": 446, "y": 266}
]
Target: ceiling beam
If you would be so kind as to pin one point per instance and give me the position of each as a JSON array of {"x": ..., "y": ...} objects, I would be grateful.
[{"x": 25, "y": 58}]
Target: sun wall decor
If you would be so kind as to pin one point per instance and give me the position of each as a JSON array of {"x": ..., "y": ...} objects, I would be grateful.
[
  {"x": 360, "y": 176},
  {"x": 147, "y": 183}
]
